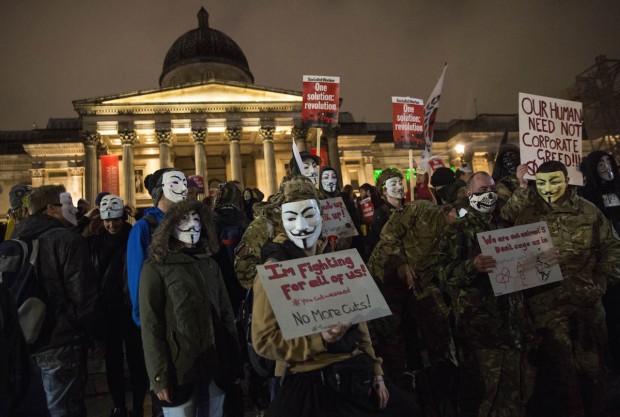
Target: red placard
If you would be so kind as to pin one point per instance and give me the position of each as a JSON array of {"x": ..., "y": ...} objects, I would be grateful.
[
  {"x": 320, "y": 101},
  {"x": 435, "y": 163},
  {"x": 110, "y": 174},
  {"x": 368, "y": 210},
  {"x": 408, "y": 123},
  {"x": 323, "y": 156}
]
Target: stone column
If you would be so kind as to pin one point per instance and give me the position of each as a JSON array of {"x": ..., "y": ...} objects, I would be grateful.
[
  {"x": 92, "y": 141},
  {"x": 163, "y": 138},
  {"x": 200, "y": 156},
  {"x": 333, "y": 153},
  {"x": 299, "y": 135},
  {"x": 76, "y": 184},
  {"x": 270, "y": 160},
  {"x": 128, "y": 138},
  {"x": 234, "y": 135},
  {"x": 37, "y": 176}
]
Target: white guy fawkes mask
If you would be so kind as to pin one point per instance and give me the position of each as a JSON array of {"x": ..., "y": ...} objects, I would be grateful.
[
  {"x": 329, "y": 181},
  {"x": 111, "y": 207},
  {"x": 605, "y": 169},
  {"x": 174, "y": 185},
  {"x": 187, "y": 230},
  {"x": 302, "y": 221},
  {"x": 68, "y": 209},
  {"x": 311, "y": 170},
  {"x": 394, "y": 188}
]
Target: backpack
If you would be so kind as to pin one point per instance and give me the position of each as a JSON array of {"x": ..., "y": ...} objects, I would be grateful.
[
  {"x": 18, "y": 271},
  {"x": 264, "y": 368}
]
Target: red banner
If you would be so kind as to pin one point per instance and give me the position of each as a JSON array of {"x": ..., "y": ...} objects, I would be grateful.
[
  {"x": 320, "y": 101},
  {"x": 109, "y": 174},
  {"x": 323, "y": 156},
  {"x": 408, "y": 123}
]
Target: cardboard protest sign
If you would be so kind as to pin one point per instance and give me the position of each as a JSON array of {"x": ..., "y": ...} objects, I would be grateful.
[
  {"x": 550, "y": 129},
  {"x": 336, "y": 219},
  {"x": 320, "y": 101},
  {"x": 408, "y": 123},
  {"x": 368, "y": 210},
  {"x": 524, "y": 255},
  {"x": 310, "y": 295}
]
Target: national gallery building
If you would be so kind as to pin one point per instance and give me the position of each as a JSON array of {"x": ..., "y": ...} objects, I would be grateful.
[{"x": 208, "y": 118}]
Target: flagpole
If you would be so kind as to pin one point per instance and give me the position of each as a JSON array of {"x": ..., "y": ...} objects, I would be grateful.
[
  {"x": 411, "y": 179},
  {"x": 319, "y": 132}
]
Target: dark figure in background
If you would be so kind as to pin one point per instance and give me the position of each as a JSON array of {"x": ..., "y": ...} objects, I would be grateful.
[
  {"x": 602, "y": 187},
  {"x": 230, "y": 222},
  {"x": 444, "y": 187},
  {"x": 251, "y": 196},
  {"x": 108, "y": 251},
  {"x": 505, "y": 171}
]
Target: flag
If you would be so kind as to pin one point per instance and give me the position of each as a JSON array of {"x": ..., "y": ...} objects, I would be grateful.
[{"x": 430, "y": 113}]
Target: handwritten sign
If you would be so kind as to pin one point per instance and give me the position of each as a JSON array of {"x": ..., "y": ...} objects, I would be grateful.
[
  {"x": 525, "y": 257},
  {"x": 336, "y": 219},
  {"x": 310, "y": 295},
  {"x": 320, "y": 101},
  {"x": 408, "y": 123},
  {"x": 550, "y": 130}
]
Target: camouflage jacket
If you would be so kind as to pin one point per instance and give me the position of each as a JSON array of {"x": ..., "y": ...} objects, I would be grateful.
[
  {"x": 248, "y": 253},
  {"x": 506, "y": 186},
  {"x": 481, "y": 318},
  {"x": 589, "y": 254},
  {"x": 406, "y": 238}
]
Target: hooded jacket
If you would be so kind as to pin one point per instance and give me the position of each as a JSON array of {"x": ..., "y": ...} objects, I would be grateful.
[
  {"x": 65, "y": 267},
  {"x": 184, "y": 305}
]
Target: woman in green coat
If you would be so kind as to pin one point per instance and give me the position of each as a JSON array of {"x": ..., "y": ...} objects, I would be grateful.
[{"x": 190, "y": 342}]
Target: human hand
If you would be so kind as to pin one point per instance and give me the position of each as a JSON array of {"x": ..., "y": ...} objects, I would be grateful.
[
  {"x": 382, "y": 392},
  {"x": 164, "y": 395},
  {"x": 484, "y": 263},
  {"x": 521, "y": 171},
  {"x": 335, "y": 333},
  {"x": 406, "y": 273}
]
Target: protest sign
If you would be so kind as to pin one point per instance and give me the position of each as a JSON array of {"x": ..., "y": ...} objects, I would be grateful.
[
  {"x": 320, "y": 101},
  {"x": 525, "y": 257},
  {"x": 408, "y": 123},
  {"x": 435, "y": 163},
  {"x": 550, "y": 130},
  {"x": 368, "y": 209},
  {"x": 310, "y": 295},
  {"x": 336, "y": 219}
]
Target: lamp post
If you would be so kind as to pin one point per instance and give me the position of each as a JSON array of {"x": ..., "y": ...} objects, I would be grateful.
[{"x": 460, "y": 150}]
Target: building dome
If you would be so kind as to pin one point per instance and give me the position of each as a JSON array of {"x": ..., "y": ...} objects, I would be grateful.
[{"x": 204, "y": 54}]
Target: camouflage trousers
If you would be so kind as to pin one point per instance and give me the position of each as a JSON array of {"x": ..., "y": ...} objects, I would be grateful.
[
  {"x": 568, "y": 357},
  {"x": 491, "y": 383}
]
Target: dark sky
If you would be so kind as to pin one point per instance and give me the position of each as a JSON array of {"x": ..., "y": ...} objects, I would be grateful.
[{"x": 53, "y": 52}]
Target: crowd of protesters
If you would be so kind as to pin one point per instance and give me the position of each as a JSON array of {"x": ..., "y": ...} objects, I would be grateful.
[{"x": 176, "y": 294}]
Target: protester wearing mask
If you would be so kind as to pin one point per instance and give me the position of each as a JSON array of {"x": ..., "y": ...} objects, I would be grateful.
[
  {"x": 108, "y": 250},
  {"x": 489, "y": 330},
  {"x": 505, "y": 170},
  {"x": 329, "y": 182},
  {"x": 304, "y": 362},
  {"x": 568, "y": 317},
  {"x": 310, "y": 166},
  {"x": 190, "y": 341}
]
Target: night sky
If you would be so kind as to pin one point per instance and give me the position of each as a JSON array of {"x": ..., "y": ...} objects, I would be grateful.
[{"x": 56, "y": 51}]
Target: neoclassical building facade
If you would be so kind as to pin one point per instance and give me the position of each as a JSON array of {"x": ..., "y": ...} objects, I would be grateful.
[{"x": 208, "y": 118}]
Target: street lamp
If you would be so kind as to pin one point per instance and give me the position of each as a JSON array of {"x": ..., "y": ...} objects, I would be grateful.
[{"x": 460, "y": 150}]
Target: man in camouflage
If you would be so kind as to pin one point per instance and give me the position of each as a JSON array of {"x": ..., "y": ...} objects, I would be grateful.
[
  {"x": 411, "y": 289},
  {"x": 568, "y": 316},
  {"x": 490, "y": 330}
]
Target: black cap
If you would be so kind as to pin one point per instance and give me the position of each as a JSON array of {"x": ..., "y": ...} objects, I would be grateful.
[{"x": 304, "y": 155}]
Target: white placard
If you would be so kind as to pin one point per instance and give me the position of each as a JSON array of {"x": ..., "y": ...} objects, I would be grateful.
[
  {"x": 310, "y": 295},
  {"x": 550, "y": 129},
  {"x": 336, "y": 219},
  {"x": 524, "y": 255}
]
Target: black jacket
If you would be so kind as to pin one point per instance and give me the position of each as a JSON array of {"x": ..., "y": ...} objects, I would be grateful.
[{"x": 65, "y": 267}]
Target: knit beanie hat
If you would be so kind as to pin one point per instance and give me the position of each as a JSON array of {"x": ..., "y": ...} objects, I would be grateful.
[
  {"x": 153, "y": 183},
  {"x": 442, "y": 176},
  {"x": 99, "y": 197},
  {"x": 385, "y": 175}
]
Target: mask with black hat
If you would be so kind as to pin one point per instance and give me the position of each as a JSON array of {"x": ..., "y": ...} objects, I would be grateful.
[{"x": 310, "y": 166}]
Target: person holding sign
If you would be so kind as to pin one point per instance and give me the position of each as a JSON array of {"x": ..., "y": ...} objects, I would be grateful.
[
  {"x": 332, "y": 373},
  {"x": 490, "y": 330},
  {"x": 568, "y": 316},
  {"x": 190, "y": 340}
]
